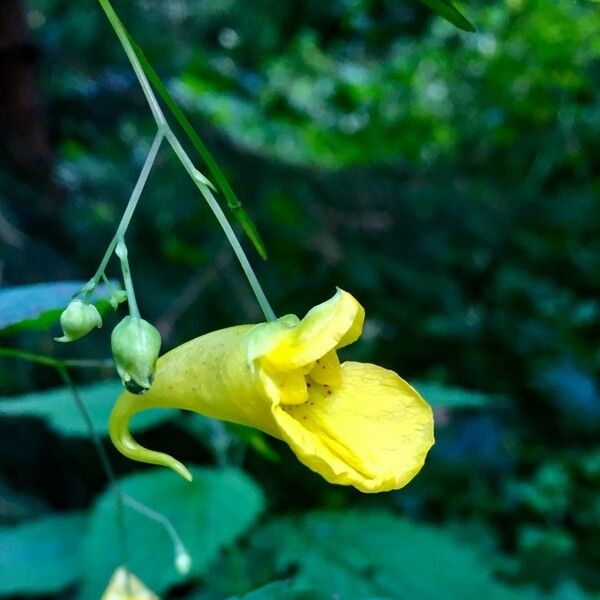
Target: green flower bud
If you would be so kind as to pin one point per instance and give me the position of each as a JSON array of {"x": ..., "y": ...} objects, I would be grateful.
[
  {"x": 77, "y": 320},
  {"x": 116, "y": 297},
  {"x": 135, "y": 347}
]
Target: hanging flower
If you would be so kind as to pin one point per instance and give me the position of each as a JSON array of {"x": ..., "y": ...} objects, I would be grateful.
[{"x": 353, "y": 423}]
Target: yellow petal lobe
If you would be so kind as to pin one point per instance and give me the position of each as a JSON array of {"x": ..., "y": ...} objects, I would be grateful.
[
  {"x": 125, "y": 586},
  {"x": 326, "y": 370},
  {"x": 329, "y": 325},
  {"x": 355, "y": 424},
  {"x": 373, "y": 432}
]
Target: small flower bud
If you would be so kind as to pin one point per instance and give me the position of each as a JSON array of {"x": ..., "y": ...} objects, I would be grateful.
[
  {"x": 135, "y": 347},
  {"x": 116, "y": 297},
  {"x": 77, "y": 320},
  {"x": 183, "y": 562}
]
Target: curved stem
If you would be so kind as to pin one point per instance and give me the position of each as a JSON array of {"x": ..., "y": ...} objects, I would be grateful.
[
  {"x": 200, "y": 180},
  {"x": 159, "y": 518}
]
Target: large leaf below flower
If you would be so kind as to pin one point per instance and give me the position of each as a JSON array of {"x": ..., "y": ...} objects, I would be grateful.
[
  {"x": 356, "y": 555},
  {"x": 209, "y": 513}
]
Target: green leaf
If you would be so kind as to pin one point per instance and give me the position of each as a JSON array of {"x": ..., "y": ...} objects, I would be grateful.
[
  {"x": 441, "y": 396},
  {"x": 42, "y": 556},
  {"x": 58, "y": 409},
  {"x": 38, "y": 306},
  {"x": 288, "y": 589},
  {"x": 233, "y": 202},
  {"x": 209, "y": 513},
  {"x": 356, "y": 555},
  {"x": 447, "y": 10}
]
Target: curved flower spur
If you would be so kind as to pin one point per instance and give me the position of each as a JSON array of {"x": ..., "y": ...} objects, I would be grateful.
[{"x": 353, "y": 423}]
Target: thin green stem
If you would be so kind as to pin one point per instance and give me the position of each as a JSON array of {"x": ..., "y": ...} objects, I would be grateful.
[
  {"x": 159, "y": 518},
  {"x": 119, "y": 29},
  {"x": 141, "y": 182},
  {"x": 94, "y": 280},
  {"x": 57, "y": 363},
  {"x": 104, "y": 461},
  {"x": 225, "y": 225},
  {"x": 233, "y": 202},
  {"x": 200, "y": 180},
  {"x": 105, "y": 363},
  {"x": 130, "y": 208},
  {"x": 30, "y": 357},
  {"x": 123, "y": 255}
]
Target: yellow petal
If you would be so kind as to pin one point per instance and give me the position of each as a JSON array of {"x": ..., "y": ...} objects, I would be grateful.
[
  {"x": 332, "y": 324},
  {"x": 326, "y": 370},
  {"x": 355, "y": 424},
  {"x": 291, "y": 386},
  {"x": 372, "y": 432},
  {"x": 125, "y": 586},
  {"x": 210, "y": 375},
  {"x": 266, "y": 337}
]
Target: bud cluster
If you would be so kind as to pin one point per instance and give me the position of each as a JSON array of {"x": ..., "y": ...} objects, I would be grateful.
[{"x": 135, "y": 342}]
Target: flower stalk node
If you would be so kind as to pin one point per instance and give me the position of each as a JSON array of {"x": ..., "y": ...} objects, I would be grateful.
[{"x": 353, "y": 423}]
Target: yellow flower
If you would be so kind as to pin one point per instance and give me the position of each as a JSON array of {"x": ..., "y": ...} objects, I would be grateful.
[
  {"x": 353, "y": 423},
  {"x": 125, "y": 586}
]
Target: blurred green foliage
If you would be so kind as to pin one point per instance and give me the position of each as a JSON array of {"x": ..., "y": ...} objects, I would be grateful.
[
  {"x": 57, "y": 409},
  {"x": 41, "y": 556},
  {"x": 448, "y": 180}
]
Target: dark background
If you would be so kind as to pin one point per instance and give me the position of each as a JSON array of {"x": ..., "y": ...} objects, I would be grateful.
[{"x": 450, "y": 181}]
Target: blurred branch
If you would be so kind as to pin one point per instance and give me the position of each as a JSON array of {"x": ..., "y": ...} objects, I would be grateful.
[
  {"x": 10, "y": 235},
  {"x": 57, "y": 363},
  {"x": 190, "y": 293}
]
